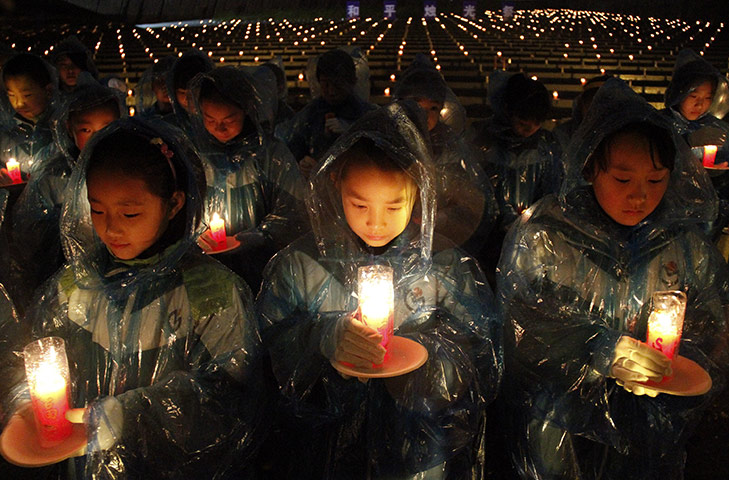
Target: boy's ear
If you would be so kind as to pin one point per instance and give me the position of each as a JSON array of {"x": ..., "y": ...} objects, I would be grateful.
[
  {"x": 334, "y": 179},
  {"x": 177, "y": 201}
]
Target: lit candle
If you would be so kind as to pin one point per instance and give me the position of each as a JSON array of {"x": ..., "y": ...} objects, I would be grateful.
[
  {"x": 217, "y": 230},
  {"x": 46, "y": 368},
  {"x": 709, "y": 155},
  {"x": 377, "y": 299},
  {"x": 665, "y": 323},
  {"x": 14, "y": 170}
]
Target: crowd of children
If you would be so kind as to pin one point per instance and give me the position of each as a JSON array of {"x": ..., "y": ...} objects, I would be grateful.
[{"x": 524, "y": 262}]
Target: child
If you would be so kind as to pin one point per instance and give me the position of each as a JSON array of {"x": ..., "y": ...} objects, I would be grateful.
[
  {"x": 521, "y": 158},
  {"x": 564, "y": 131},
  {"x": 466, "y": 205},
  {"x": 36, "y": 214},
  {"x": 71, "y": 57},
  {"x": 183, "y": 70},
  {"x": 253, "y": 181},
  {"x": 315, "y": 128},
  {"x": 159, "y": 337},
  {"x": 153, "y": 100},
  {"x": 363, "y": 200},
  {"x": 575, "y": 283},
  {"x": 30, "y": 90},
  {"x": 282, "y": 110},
  {"x": 690, "y": 98}
]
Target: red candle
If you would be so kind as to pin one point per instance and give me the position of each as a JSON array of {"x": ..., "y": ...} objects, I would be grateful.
[
  {"x": 48, "y": 379},
  {"x": 217, "y": 230},
  {"x": 377, "y": 299},
  {"x": 665, "y": 323},
  {"x": 709, "y": 155},
  {"x": 14, "y": 170}
]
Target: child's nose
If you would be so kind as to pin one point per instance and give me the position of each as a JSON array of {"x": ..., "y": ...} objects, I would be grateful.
[
  {"x": 112, "y": 226},
  {"x": 638, "y": 194},
  {"x": 375, "y": 218}
]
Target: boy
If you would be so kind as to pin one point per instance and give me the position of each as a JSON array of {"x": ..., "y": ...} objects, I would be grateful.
[
  {"x": 575, "y": 282},
  {"x": 312, "y": 130},
  {"x": 467, "y": 208},
  {"x": 70, "y": 58},
  {"x": 30, "y": 89},
  {"x": 37, "y": 212},
  {"x": 363, "y": 203},
  {"x": 253, "y": 181}
]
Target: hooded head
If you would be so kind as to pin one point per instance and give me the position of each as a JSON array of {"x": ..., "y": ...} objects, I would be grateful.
[
  {"x": 83, "y": 113},
  {"x": 375, "y": 183},
  {"x": 227, "y": 104},
  {"x": 182, "y": 72},
  {"x": 626, "y": 141},
  {"x": 29, "y": 85},
  {"x": 345, "y": 68},
  {"x": 152, "y": 86},
  {"x": 71, "y": 57},
  {"x": 137, "y": 191},
  {"x": 424, "y": 84},
  {"x": 519, "y": 102},
  {"x": 696, "y": 88}
]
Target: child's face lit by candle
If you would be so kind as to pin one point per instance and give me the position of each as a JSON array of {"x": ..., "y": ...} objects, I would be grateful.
[
  {"x": 377, "y": 203},
  {"x": 697, "y": 102},
  {"x": 127, "y": 216},
  {"x": 223, "y": 121},
  {"x": 27, "y": 97},
  {"x": 633, "y": 186}
]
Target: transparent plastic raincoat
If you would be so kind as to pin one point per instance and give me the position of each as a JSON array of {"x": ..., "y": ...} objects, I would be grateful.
[
  {"x": 146, "y": 99},
  {"x": 179, "y": 116},
  {"x": 690, "y": 71},
  {"x": 253, "y": 181},
  {"x": 522, "y": 170},
  {"x": 572, "y": 282},
  {"x": 79, "y": 55},
  {"x": 162, "y": 350},
  {"x": 429, "y": 420},
  {"x": 27, "y": 142},
  {"x": 305, "y": 133},
  {"x": 467, "y": 208},
  {"x": 37, "y": 212}
]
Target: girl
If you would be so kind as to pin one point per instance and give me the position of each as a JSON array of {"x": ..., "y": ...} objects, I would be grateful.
[
  {"x": 575, "y": 283},
  {"x": 159, "y": 337},
  {"x": 427, "y": 424}
]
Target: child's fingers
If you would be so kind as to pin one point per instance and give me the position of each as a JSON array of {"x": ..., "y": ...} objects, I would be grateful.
[
  {"x": 75, "y": 415},
  {"x": 366, "y": 349},
  {"x": 358, "y": 328}
]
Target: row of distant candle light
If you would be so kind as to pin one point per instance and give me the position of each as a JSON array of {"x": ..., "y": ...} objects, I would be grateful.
[{"x": 531, "y": 18}]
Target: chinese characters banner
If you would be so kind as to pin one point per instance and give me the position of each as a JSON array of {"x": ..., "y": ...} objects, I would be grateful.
[
  {"x": 390, "y": 6},
  {"x": 352, "y": 10},
  {"x": 469, "y": 9},
  {"x": 429, "y": 10}
]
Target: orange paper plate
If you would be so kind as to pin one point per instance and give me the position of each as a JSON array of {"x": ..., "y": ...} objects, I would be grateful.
[
  {"x": 20, "y": 445},
  {"x": 403, "y": 356},
  {"x": 689, "y": 379}
]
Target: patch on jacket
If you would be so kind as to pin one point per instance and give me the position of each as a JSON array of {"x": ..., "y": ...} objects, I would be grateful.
[
  {"x": 669, "y": 274},
  {"x": 414, "y": 299}
]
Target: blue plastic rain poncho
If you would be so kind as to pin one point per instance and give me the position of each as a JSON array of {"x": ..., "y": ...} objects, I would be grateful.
[
  {"x": 36, "y": 214},
  {"x": 162, "y": 349},
  {"x": 429, "y": 420},
  {"x": 572, "y": 281},
  {"x": 466, "y": 206},
  {"x": 522, "y": 170},
  {"x": 182, "y": 71},
  {"x": 153, "y": 79},
  {"x": 305, "y": 133},
  {"x": 253, "y": 181}
]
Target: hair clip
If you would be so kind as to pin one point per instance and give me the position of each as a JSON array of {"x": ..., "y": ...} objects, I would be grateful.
[
  {"x": 162, "y": 147},
  {"x": 168, "y": 154}
]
